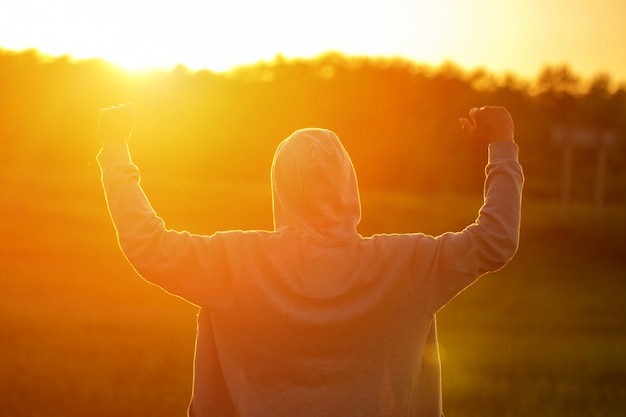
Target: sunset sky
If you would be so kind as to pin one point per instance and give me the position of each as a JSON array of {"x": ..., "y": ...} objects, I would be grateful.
[{"x": 515, "y": 35}]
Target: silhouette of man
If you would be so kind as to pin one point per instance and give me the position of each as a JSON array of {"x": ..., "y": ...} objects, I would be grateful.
[{"x": 311, "y": 318}]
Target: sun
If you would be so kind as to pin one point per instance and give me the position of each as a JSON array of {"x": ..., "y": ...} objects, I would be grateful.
[
  {"x": 221, "y": 35},
  {"x": 516, "y": 36}
]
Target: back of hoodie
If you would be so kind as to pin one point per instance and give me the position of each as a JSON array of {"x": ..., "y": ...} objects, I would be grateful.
[{"x": 312, "y": 319}]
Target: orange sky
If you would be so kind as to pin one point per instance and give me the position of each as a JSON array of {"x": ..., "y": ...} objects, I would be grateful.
[{"x": 516, "y": 35}]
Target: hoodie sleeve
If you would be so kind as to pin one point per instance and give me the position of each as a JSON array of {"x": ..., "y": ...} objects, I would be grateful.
[
  {"x": 458, "y": 259},
  {"x": 184, "y": 264}
]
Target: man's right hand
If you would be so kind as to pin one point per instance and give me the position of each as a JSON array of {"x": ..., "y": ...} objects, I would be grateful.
[
  {"x": 489, "y": 124},
  {"x": 115, "y": 124}
]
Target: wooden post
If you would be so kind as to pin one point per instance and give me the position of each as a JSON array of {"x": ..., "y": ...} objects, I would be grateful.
[
  {"x": 589, "y": 137},
  {"x": 605, "y": 138},
  {"x": 566, "y": 180}
]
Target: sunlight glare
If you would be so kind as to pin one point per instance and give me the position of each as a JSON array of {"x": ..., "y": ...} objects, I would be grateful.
[
  {"x": 218, "y": 35},
  {"x": 221, "y": 35}
]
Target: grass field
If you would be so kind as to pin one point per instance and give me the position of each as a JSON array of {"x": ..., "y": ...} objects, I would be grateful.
[{"x": 81, "y": 334}]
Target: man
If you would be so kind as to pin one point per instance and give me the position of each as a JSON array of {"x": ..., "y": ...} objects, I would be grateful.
[{"x": 312, "y": 319}]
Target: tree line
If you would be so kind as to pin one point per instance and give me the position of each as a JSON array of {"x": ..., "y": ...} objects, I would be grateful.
[{"x": 397, "y": 118}]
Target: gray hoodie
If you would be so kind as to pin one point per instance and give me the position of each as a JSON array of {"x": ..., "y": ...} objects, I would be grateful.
[{"x": 312, "y": 319}]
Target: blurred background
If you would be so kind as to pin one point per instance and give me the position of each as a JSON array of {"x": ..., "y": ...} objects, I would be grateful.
[{"x": 80, "y": 333}]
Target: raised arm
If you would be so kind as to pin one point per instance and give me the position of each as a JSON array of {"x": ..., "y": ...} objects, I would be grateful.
[
  {"x": 182, "y": 263},
  {"x": 491, "y": 241}
]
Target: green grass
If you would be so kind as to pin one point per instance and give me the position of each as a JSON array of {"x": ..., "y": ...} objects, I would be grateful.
[
  {"x": 545, "y": 336},
  {"x": 81, "y": 334}
]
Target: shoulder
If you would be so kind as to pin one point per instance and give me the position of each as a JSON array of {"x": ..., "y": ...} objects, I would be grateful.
[
  {"x": 399, "y": 242},
  {"x": 244, "y": 237}
]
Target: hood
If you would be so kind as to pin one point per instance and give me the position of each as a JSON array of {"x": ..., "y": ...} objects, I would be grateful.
[{"x": 314, "y": 187}]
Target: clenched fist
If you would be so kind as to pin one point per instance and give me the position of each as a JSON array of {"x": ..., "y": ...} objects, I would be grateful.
[
  {"x": 115, "y": 124},
  {"x": 489, "y": 124}
]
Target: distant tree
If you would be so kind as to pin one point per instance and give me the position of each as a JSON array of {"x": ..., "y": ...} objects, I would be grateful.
[
  {"x": 397, "y": 117},
  {"x": 557, "y": 88},
  {"x": 600, "y": 106}
]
